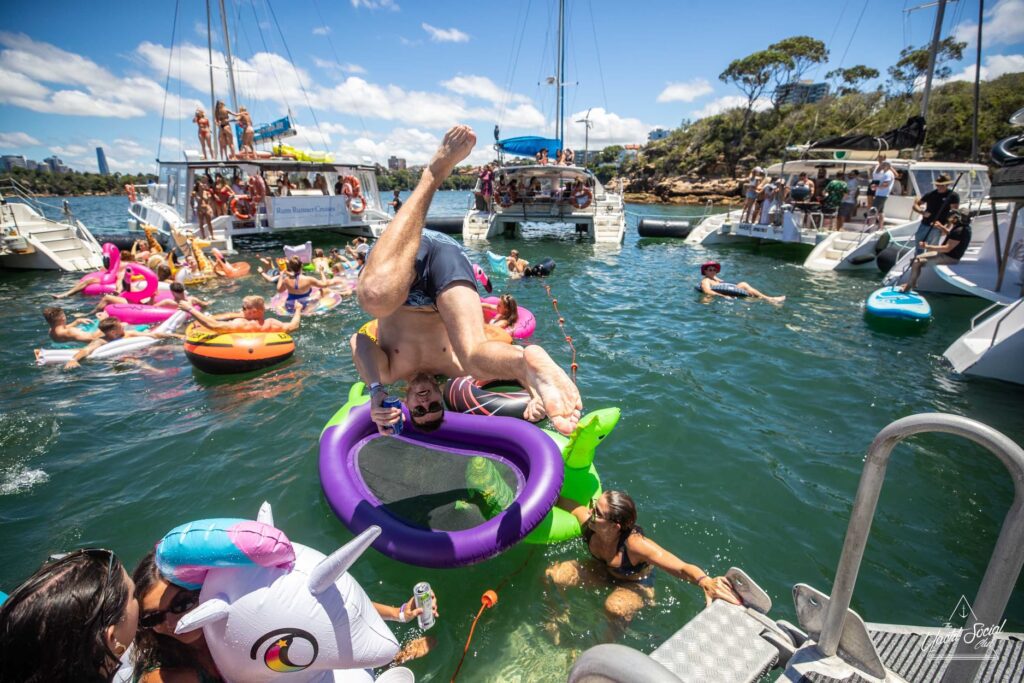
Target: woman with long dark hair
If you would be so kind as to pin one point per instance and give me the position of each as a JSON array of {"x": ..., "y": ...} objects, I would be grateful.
[
  {"x": 70, "y": 621},
  {"x": 626, "y": 557},
  {"x": 161, "y": 654}
]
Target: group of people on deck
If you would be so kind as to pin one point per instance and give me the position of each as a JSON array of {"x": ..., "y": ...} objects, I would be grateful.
[
  {"x": 563, "y": 157},
  {"x": 225, "y": 136}
]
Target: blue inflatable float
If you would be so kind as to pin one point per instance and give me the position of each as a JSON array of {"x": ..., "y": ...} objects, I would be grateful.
[{"x": 891, "y": 302}]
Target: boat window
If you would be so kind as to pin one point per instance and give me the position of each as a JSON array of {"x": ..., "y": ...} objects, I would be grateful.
[{"x": 972, "y": 185}]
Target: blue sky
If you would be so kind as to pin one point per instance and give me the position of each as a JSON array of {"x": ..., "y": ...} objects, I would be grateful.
[{"x": 370, "y": 78}]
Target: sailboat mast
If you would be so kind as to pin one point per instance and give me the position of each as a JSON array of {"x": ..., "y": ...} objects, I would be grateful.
[
  {"x": 560, "y": 123},
  {"x": 936, "y": 37},
  {"x": 977, "y": 85},
  {"x": 209, "y": 56},
  {"x": 227, "y": 50}
]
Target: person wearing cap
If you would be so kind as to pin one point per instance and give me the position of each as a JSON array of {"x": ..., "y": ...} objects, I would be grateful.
[
  {"x": 883, "y": 177},
  {"x": 935, "y": 208},
  {"x": 848, "y": 207},
  {"x": 709, "y": 279},
  {"x": 958, "y": 238}
]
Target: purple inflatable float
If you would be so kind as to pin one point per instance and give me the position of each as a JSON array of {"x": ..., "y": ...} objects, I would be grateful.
[{"x": 447, "y": 498}]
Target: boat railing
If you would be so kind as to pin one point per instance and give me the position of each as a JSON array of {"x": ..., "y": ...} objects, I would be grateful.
[
  {"x": 1004, "y": 565},
  {"x": 10, "y": 187}
]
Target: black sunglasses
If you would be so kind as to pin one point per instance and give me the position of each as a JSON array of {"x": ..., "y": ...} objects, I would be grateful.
[
  {"x": 595, "y": 511},
  {"x": 420, "y": 411},
  {"x": 181, "y": 603}
]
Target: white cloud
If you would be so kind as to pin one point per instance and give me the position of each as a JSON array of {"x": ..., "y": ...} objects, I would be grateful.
[
  {"x": 993, "y": 66},
  {"x": 721, "y": 104},
  {"x": 17, "y": 139},
  {"x": 414, "y": 145},
  {"x": 483, "y": 88},
  {"x": 445, "y": 35},
  {"x": 348, "y": 67},
  {"x": 376, "y": 4},
  {"x": 173, "y": 144},
  {"x": 25, "y": 64},
  {"x": 321, "y": 30},
  {"x": 685, "y": 92},
  {"x": 1004, "y": 25},
  {"x": 608, "y": 128},
  {"x": 123, "y": 155}
]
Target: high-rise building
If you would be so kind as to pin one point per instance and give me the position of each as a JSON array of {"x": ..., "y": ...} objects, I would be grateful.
[
  {"x": 101, "y": 161},
  {"x": 803, "y": 92},
  {"x": 396, "y": 163},
  {"x": 9, "y": 161}
]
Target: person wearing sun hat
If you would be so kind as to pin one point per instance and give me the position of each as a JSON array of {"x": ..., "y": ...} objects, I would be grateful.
[
  {"x": 710, "y": 284},
  {"x": 935, "y": 208}
]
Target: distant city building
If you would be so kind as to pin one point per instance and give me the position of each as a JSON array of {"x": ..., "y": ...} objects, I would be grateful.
[
  {"x": 803, "y": 92},
  {"x": 628, "y": 152},
  {"x": 657, "y": 134},
  {"x": 101, "y": 161},
  {"x": 586, "y": 157},
  {"x": 55, "y": 165},
  {"x": 396, "y": 163},
  {"x": 9, "y": 161}
]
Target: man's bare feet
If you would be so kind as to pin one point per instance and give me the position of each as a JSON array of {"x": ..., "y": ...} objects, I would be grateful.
[
  {"x": 456, "y": 146},
  {"x": 776, "y": 299},
  {"x": 415, "y": 649},
  {"x": 560, "y": 396},
  {"x": 534, "y": 411}
]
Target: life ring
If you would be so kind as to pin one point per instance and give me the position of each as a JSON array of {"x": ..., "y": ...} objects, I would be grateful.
[
  {"x": 361, "y": 204},
  {"x": 130, "y": 191},
  {"x": 350, "y": 186},
  {"x": 587, "y": 195},
  {"x": 505, "y": 200},
  {"x": 727, "y": 289},
  {"x": 473, "y": 397},
  {"x": 233, "y": 352},
  {"x": 239, "y": 214}
]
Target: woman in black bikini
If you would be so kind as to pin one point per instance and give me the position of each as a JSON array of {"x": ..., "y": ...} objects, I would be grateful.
[
  {"x": 625, "y": 555},
  {"x": 225, "y": 138}
]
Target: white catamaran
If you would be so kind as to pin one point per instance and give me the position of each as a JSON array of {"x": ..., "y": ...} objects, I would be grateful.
[
  {"x": 544, "y": 195},
  {"x": 302, "y": 190}
]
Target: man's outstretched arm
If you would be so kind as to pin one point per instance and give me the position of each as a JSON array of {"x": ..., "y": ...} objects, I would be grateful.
[{"x": 389, "y": 272}]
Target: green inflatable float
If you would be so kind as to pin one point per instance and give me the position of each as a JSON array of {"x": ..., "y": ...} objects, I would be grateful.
[{"x": 493, "y": 494}]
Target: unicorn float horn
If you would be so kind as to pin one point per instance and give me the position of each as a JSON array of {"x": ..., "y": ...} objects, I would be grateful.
[
  {"x": 331, "y": 568},
  {"x": 211, "y": 611}
]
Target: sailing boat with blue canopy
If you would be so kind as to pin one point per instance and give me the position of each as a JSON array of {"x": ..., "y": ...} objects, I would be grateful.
[{"x": 545, "y": 194}]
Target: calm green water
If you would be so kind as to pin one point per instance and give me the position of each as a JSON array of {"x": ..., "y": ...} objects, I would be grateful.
[{"x": 743, "y": 431}]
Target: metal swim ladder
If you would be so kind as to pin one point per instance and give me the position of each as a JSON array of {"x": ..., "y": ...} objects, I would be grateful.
[{"x": 834, "y": 644}]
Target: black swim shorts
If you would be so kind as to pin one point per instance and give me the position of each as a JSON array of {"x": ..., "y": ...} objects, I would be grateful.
[{"x": 440, "y": 261}]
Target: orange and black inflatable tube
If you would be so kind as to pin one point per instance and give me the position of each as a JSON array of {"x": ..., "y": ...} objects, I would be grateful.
[
  {"x": 502, "y": 398},
  {"x": 236, "y": 352}
]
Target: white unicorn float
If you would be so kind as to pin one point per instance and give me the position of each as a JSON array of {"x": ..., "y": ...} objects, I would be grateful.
[{"x": 271, "y": 608}]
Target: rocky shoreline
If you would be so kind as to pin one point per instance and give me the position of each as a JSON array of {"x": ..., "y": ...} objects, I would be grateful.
[{"x": 684, "y": 190}]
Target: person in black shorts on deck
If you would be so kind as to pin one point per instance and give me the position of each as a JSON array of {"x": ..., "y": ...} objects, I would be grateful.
[{"x": 958, "y": 238}]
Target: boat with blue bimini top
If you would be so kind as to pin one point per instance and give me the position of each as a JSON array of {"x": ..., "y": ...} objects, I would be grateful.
[{"x": 548, "y": 195}]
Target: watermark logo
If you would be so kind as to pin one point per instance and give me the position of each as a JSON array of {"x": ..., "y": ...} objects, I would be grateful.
[{"x": 963, "y": 627}]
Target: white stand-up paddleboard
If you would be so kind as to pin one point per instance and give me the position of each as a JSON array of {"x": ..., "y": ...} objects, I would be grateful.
[{"x": 890, "y": 302}]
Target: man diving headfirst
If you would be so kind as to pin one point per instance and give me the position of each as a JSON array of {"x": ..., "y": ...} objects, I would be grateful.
[{"x": 420, "y": 286}]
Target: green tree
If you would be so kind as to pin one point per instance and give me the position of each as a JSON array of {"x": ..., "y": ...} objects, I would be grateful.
[
  {"x": 751, "y": 75},
  {"x": 912, "y": 67},
  {"x": 851, "y": 78},
  {"x": 798, "y": 55}
]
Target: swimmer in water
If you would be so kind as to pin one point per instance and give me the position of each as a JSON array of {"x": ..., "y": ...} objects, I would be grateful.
[
  {"x": 253, "y": 318},
  {"x": 63, "y": 331},
  {"x": 111, "y": 329},
  {"x": 507, "y": 312},
  {"x": 709, "y": 272}
]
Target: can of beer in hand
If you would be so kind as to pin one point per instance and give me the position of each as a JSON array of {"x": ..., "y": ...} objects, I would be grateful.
[
  {"x": 391, "y": 402},
  {"x": 425, "y": 601}
]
